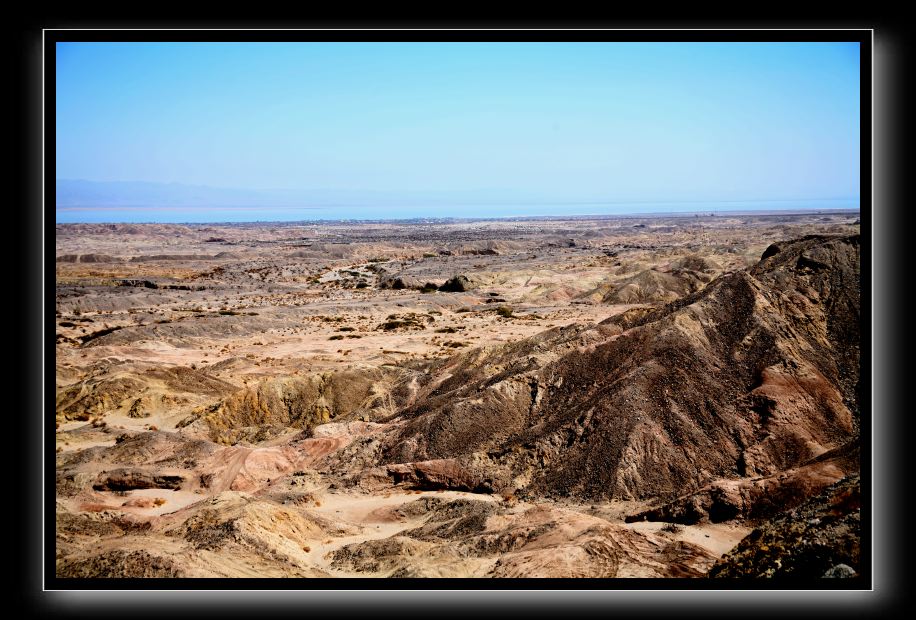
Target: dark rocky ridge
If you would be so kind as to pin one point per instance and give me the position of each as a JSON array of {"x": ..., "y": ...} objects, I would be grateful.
[{"x": 752, "y": 375}]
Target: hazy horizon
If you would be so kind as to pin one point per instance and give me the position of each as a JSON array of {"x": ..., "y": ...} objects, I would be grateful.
[
  {"x": 194, "y": 204},
  {"x": 406, "y": 130}
]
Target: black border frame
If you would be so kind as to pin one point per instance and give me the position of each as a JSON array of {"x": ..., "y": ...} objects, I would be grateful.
[{"x": 781, "y": 33}]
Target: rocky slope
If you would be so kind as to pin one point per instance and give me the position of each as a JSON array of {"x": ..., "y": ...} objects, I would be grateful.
[
  {"x": 750, "y": 376},
  {"x": 821, "y": 538}
]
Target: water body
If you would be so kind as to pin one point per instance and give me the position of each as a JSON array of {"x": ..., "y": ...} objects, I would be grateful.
[{"x": 201, "y": 214}]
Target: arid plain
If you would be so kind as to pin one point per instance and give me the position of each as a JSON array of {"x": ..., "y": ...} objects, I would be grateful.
[{"x": 583, "y": 397}]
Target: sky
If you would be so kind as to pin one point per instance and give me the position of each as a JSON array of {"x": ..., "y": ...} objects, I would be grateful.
[{"x": 460, "y": 128}]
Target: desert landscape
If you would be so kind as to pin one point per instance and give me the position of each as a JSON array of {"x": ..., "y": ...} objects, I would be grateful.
[{"x": 666, "y": 396}]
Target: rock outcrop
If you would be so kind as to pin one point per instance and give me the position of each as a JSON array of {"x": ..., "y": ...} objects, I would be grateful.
[
  {"x": 821, "y": 538},
  {"x": 458, "y": 284}
]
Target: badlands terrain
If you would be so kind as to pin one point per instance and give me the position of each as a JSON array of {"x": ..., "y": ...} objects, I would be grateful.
[{"x": 585, "y": 397}]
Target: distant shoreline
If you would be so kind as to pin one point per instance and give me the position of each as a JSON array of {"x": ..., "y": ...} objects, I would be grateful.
[{"x": 514, "y": 218}]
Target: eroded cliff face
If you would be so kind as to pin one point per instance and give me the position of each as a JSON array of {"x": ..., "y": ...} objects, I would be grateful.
[{"x": 303, "y": 402}]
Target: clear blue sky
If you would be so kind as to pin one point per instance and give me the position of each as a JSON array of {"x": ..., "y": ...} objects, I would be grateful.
[{"x": 539, "y": 122}]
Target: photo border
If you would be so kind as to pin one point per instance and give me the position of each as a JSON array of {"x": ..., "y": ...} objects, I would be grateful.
[{"x": 707, "y": 34}]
